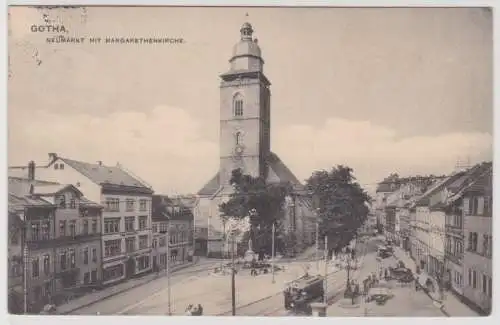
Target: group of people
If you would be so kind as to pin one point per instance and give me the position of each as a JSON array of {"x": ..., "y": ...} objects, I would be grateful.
[{"x": 192, "y": 310}]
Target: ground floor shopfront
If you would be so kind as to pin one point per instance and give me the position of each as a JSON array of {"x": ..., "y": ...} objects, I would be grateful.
[{"x": 126, "y": 267}]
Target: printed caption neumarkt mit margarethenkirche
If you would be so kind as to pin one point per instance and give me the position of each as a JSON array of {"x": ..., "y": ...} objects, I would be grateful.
[{"x": 59, "y": 34}]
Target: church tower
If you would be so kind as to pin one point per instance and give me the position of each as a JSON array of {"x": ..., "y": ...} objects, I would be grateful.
[{"x": 244, "y": 111}]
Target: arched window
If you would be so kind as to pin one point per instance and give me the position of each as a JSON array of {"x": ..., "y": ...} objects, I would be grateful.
[
  {"x": 238, "y": 105},
  {"x": 238, "y": 138}
]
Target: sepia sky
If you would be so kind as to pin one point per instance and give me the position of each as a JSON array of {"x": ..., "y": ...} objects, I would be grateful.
[{"x": 381, "y": 90}]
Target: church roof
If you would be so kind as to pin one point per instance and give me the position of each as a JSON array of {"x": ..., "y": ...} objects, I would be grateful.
[{"x": 275, "y": 163}]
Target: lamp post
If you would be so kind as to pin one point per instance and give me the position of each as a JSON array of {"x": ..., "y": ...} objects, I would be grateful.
[
  {"x": 233, "y": 280},
  {"x": 272, "y": 252},
  {"x": 317, "y": 239},
  {"x": 325, "y": 282}
]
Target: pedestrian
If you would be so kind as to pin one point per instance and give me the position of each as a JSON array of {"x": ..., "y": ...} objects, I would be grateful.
[
  {"x": 353, "y": 290},
  {"x": 200, "y": 310}
]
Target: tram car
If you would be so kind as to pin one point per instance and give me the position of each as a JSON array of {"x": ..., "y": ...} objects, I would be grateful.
[{"x": 300, "y": 293}]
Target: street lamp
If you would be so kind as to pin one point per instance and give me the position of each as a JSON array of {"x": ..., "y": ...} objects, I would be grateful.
[
  {"x": 317, "y": 239},
  {"x": 272, "y": 248}
]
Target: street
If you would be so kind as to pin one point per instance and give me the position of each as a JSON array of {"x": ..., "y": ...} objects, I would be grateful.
[{"x": 257, "y": 296}]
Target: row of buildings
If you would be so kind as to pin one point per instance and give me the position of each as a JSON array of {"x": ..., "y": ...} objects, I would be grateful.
[
  {"x": 76, "y": 226},
  {"x": 445, "y": 224}
]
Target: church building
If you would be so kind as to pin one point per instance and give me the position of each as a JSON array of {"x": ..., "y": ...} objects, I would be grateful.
[{"x": 245, "y": 143}]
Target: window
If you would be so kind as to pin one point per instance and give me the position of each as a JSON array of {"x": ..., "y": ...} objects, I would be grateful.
[
  {"x": 143, "y": 242},
  {"x": 61, "y": 166},
  {"x": 489, "y": 287},
  {"x": 35, "y": 268},
  {"x": 72, "y": 228},
  {"x": 470, "y": 277},
  {"x": 45, "y": 230},
  {"x": 155, "y": 228},
  {"x": 94, "y": 226},
  {"x": 72, "y": 256},
  {"x": 130, "y": 244},
  {"x": 474, "y": 279},
  {"x": 163, "y": 242},
  {"x": 485, "y": 284},
  {"x": 93, "y": 276},
  {"x": 72, "y": 203},
  {"x": 62, "y": 228},
  {"x": 111, "y": 225},
  {"x": 61, "y": 200},
  {"x": 143, "y": 220},
  {"x": 85, "y": 227},
  {"x": 85, "y": 256},
  {"x": 143, "y": 262},
  {"x": 63, "y": 261},
  {"x": 35, "y": 231},
  {"x": 112, "y": 247},
  {"x": 129, "y": 224},
  {"x": 472, "y": 241},
  {"x": 143, "y": 205},
  {"x": 487, "y": 205},
  {"x": 238, "y": 105},
  {"x": 130, "y": 204},
  {"x": 474, "y": 206},
  {"x": 94, "y": 255},
  {"x": 112, "y": 204},
  {"x": 46, "y": 264}
]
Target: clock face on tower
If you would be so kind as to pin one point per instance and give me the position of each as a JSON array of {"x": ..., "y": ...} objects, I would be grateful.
[{"x": 238, "y": 151}]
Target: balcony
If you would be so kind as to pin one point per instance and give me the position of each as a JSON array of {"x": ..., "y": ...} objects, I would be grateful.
[{"x": 49, "y": 242}]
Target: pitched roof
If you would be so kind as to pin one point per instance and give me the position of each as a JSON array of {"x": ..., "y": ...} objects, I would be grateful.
[
  {"x": 455, "y": 184},
  {"x": 275, "y": 164},
  {"x": 20, "y": 202},
  {"x": 104, "y": 175},
  {"x": 53, "y": 189},
  {"x": 21, "y": 186},
  {"x": 210, "y": 187}
]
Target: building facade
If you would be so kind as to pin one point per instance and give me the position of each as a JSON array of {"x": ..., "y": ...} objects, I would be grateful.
[
  {"x": 245, "y": 130},
  {"x": 172, "y": 216},
  {"x": 66, "y": 245},
  {"x": 37, "y": 250},
  {"x": 478, "y": 229},
  {"x": 126, "y": 217}
]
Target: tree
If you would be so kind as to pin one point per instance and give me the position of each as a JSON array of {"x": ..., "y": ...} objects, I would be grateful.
[
  {"x": 263, "y": 202},
  {"x": 341, "y": 204}
]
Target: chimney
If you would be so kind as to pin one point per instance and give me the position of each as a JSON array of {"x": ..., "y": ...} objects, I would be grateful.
[
  {"x": 99, "y": 163},
  {"x": 31, "y": 170},
  {"x": 52, "y": 156}
]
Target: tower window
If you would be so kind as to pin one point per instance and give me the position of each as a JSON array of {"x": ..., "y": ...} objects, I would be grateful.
[
  {"x": 238, "y": 106},
  {"x": 238, "y": 138}
]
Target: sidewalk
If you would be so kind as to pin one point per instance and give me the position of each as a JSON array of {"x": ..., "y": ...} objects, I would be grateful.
[
  {"x": 451, "y": 305},
  {"x": 114, "y": 290}
]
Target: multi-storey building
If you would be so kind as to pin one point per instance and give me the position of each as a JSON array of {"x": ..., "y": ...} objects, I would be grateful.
[
  {"x": 172, "y": 214},
  {"x": 477, "y": 262},
  {"x": 15, "y": 260},
  {"x": 37, "y": 250},
  {"x": 438, "y": 228},
  {"x": 126, "y": 218},
  {"x": 70, "y": 243}
]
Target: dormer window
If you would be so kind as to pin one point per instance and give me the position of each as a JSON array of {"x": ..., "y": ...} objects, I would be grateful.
[
  {"x": 61, "y": 166},
  {"x": 61, "y": 201},
  {"x": 238, "y": 105}
]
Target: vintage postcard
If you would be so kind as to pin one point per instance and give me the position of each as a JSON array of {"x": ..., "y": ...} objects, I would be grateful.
[{"x": 250, "y": 161}]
